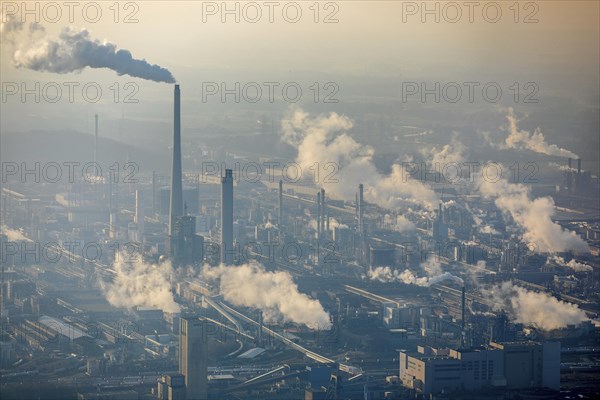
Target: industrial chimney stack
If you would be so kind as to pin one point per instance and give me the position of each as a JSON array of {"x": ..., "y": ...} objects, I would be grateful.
[
  {"x": 176, "y": 205},
  {"x": 96, "y": 138}
]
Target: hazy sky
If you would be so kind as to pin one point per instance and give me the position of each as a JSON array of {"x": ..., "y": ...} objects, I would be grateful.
[{"x": 370, "y": 39}]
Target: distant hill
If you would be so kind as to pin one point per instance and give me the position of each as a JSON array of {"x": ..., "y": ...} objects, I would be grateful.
[{"x": 64, "y": 146}]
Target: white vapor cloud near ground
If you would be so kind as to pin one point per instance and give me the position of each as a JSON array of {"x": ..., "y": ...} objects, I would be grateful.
[
  {"x": 275, "y": 293},
  {"x": 533, "y": 216},
  {"x": 532, "y": 308},
  {"x": 324, "y": 139}
]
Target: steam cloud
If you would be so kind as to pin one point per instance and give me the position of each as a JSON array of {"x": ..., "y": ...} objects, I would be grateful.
[
  {"x": 73, "y": 51},
  {"x": 139, "y": 284},
  {"x": 14, "y": 235},
  {"x": 403, "y": 224},
  {"x": 451, "y": 153},
  {"x": 520, "y": 139},
  {"x": 432, "y": 267},
  {"x": 275, "y": 293},
  {"x": 533, "y": 216},
  {"x": 333, "y": 223},
  {"x": 574, "y": 265},
  {"x": 323, "y": 140},
  {"x": 539, "y": 309}
]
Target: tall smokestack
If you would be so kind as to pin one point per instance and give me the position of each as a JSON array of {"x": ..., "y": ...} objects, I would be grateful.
[
  {"x": 323, "y": 208},
  {"x": 280, "y": 211},
  {"x": 96, "y": 138},
  {"x": 440, "y": 212},
  {"x": 260, "y": 325},
  {"x": 361, "y": 227},
  {"x": 579, "y": 165},
  {"x": 227, "y": 251},
  {"x": 462, "y": 317},
  {"x": 462, "y": 304},
  {"x": 139, "y": 215},
  {"x": 319, "y": 216},
  {"x": 153, "y": 194},
  {"x": 176, "y": 206},
  {"x": 570, "y": 162}
]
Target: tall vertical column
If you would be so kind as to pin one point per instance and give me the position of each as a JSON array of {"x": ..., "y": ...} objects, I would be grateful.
[
  {"x": 227, "y": 250},
  {"x": 319, "y": 216},
  {"x": 361, "y": 226},
  {"x": 280, "y": 211},
  {"x": 193, "y": 349},
  {"x": 323, "y": 212},
  {"x": 176, "y": 204},
  {"x": 96, "y": 138},
  {"x": 139, "y": 215}
]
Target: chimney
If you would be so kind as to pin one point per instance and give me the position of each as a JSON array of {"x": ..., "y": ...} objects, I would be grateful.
[
  {"x": 319, "y": 216},
  {"x": 176, "y": 205},
  {"x": 96, "y": 138},
  {"x": 153, "y": 194},
  {"x": 323, "y": 212},
  {"x": 463, "y": 298},
  {"x": 361, "y": 226},
  {"x": 227, "y": 250},
  {"x": 579, "y": 165},
  {"x": 570, "y": 162},
  {"x": 280, "y": 211},
  {"x": 139, "y": 215}
]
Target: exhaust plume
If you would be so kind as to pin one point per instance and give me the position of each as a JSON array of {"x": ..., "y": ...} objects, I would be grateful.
[
  {"x": 14, "y": 235},
  {"x": 387, "y": 275},
  {"x": 431, "y": 266},
  {"x": 139, "y": 284},
  {"x": 451, "y": 153},
  {"x": 533, "y": 216},
  {"x": 324, "y": 140},
  {"x": 275, "y": 293},
  {"x": 574, "y": 265},
  {"x": 520, "y": 139},
  {"x": 539, "y": 309},
  {"x": 73, "y": 51}
]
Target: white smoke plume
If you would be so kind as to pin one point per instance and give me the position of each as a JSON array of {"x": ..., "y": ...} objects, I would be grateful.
[
  {"x": 574, "y": 265},
  {"x": 14, "y": 235},
  {"x": 451, "y": 153},
  {"x": 275, "y": 293},
  {"x": 403, "y": 224},
  {"x": 269, "y": 225},
  {"x": 533, "y": 216},
  {"x": 387, "y": 275},
  {"x": 432, "y": 266},
  {"x": 333, "y": 223},
  {"x": 324, "y": 140},
  {"x": 140, "y": 284},
  {"x": 73, "y": 51},
  {"x": 539, "y": 309},
  {"x": 521, "y": 139}
]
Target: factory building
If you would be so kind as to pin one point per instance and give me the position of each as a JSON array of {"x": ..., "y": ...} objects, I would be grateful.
[
  {"x": 531, "y": 364},
  {"x": 171, "y": 387},
  {"x": 511, "y": 366}
]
